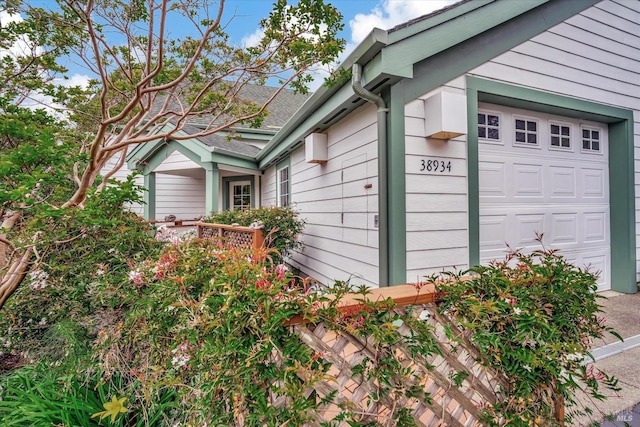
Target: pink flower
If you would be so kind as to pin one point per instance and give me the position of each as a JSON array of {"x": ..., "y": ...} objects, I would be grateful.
[
  {"x": 510, "y": 301},
  {"x": 281, "y": 271},
  {"x": 136, "y": 277}
]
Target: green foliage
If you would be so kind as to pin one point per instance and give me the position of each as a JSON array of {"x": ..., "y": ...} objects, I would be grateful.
[
  {"x": 39, "y": 395},
  {"x": 534, "y": 318},
  {"x": 36, "y": 396},
  {"x": 84, "y": 256},
  {"x": 281, "y": 226},
  {"x": 208, "y": 324}
]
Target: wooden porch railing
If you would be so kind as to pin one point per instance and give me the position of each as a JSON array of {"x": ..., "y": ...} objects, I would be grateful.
[{"x": 233, "y": 236}]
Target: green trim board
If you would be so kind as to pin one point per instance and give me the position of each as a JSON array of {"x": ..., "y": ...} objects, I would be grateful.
[
  {"x": 432, "y": 51},
  {"x": 466, "y": 21},
  {"x": 444, "y": 66},
  {"x": 225, "y": 189},
  {"x": 212, "y": 187},
  {"x": 621, "y": 165},
  {"x": 396, "y": 188},
  {"x": 152, "y": 154},
  {"x": 149, "y": 212}
]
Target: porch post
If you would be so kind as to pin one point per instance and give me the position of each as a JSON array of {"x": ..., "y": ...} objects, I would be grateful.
[
  {"x": 150, "y": 196},
  {"x": 212, "y": 187}
]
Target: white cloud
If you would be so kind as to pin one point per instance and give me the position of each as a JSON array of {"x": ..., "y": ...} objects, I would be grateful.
[
  {"x": 6, "y": 17},
  {"x": 81, "y": 80},
  {"x": 391, "y": 13},
  {"x": 37, "y": 100},
  {"x": 385, "y": 15},
  {"x": 252, "y": 40},
  {"x": 22, "y": 46}
]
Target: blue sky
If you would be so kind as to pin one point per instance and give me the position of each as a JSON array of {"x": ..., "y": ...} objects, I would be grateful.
[{"x": 360, "y": 17}]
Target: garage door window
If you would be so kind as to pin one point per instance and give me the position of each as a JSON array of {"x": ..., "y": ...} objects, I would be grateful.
[
  {"x": 489, "y": 126},
  {"x": 560, "y": 136},
  {"x": 526, "y": 132},
  {"x": 591, "y": 140}
]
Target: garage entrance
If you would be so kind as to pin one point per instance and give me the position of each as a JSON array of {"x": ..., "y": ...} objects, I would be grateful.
[{"x": 540, "y": 173}]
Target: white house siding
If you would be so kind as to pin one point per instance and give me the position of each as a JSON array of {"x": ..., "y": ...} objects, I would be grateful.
[
  {"x": 437, "y": 218},
  {"x": 268, "y": 187},
  {"x": 593, "y": 56},
  {"x": 121, "y": 175},
  {"x": 182, "y": 196},
  {"x": 340, "y": 238},
  {"x": 180, "y": 188},
  {"x": 176, "y": 161}
]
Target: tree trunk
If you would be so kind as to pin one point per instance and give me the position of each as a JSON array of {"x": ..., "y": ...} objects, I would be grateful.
[{"x": 15, "y": 275}]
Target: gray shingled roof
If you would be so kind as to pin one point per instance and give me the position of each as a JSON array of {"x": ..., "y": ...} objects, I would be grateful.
[
  {"x": 279, "y": 111},
  {"x": 219, "y": 141}
]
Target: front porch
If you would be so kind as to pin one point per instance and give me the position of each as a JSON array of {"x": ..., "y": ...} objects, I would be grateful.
[{"x": 187, "y": 179}]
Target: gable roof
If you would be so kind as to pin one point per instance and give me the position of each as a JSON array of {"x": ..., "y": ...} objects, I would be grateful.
[
  {"x": 425, "y": 53},
  {"x": 283, "y": 106}
]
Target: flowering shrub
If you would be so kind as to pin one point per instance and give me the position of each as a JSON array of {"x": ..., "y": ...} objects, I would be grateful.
[
  {"x": 208, "y": 324},
  {"x": 281, "y": 226},
  {"x": 534, "y": 317},
  {"x": 74, "y": 290}
]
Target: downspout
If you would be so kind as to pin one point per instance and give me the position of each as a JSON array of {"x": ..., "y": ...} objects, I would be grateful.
[{"x": 383, "y": 237}]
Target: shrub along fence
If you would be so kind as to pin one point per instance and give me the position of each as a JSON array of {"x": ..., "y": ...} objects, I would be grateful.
[{"x": 449, "y": 384}]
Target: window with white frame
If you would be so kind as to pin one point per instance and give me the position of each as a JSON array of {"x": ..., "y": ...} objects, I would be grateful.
[
  {"x": 240, "y": 195},
  {"x": 526, "y": 132},
  {"x": 560, "y": 135},
  {"x": 489, "y": 126},
  {"x": 591, "y": 140},
  {"x": 283, "y": 187}
]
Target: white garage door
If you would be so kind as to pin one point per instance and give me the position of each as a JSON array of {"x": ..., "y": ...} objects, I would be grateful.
[{"x": 544, "y": 174}]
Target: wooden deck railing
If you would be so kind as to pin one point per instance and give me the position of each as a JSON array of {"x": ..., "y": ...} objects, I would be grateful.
[{"x": 233, "y": 236}]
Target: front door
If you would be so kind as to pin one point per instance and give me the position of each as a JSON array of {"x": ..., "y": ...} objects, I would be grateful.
[{"x": 240, "y": 195}]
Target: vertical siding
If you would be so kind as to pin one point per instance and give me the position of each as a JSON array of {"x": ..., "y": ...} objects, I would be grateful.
[
  {"x": 340, "y": 240},
  {"x": 594, "y": 55},
  {"x": 437, "y": 219}
]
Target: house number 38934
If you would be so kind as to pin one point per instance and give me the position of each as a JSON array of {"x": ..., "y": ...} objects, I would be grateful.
[{"x": 435, "y": 165}]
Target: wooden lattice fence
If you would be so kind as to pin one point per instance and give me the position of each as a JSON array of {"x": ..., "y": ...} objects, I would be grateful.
[
  {"x": 458, "y": 384},
  {"x": 232, "y": 236}
]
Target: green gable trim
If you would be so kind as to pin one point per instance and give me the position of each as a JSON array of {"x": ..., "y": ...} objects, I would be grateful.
[
  {"x": 409, "y": 30},
  {"x": 225, "y": 189},
  {"x": 279, "y": 146},
  {"x": 399, "y": 58},
  {"x": 444, "y": 66},
  {"x": 163, "y": 151},
  {"x": 621, "y": 165},
  {"x": 193, "y": 150}
]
